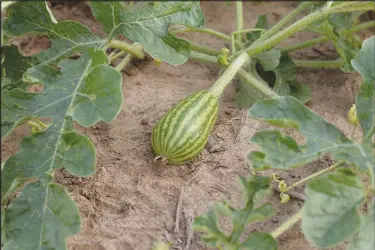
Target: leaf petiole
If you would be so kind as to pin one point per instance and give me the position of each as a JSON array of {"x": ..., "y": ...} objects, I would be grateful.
[
  {"x": 306, "y": 44},
  {"x": 134, "y": 49},
  {"x": 239, "y": 21},
  {"x": 124, "y": 62},
  {"x": 277, "y": 27},
  {"x": 257, "y": 48},
  {"x": 330, "y": 64},
  {"x": 287, "y": 224}
]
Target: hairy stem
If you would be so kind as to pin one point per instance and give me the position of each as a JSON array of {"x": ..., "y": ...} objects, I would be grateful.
[
  {"x": 203, "y": 49},
  {"x": 277, "y": 27},
  {"x": 271, "y": 42},
  {"x": 318, "y": 64},
  {"x": 239, "y": 21},
  {"x": 117, "y": 55},
  {"x": 134, "y": 49},
  {"x": 287, "y": 224},
  {"x": 124, "y": 62},
  {"x": 321, "y": 172},
  {"x": 228, "y": 75},
  {"x": 176, "y": 29},
  {"x": 202, "y": 57},
  {"x": 294, "y": 47}
]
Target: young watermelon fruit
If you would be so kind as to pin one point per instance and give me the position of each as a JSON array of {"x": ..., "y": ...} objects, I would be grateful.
[{"x": 181, "y": 134}]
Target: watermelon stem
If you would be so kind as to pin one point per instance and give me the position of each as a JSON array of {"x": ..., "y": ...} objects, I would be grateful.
[{"x": 218, "y": 88}]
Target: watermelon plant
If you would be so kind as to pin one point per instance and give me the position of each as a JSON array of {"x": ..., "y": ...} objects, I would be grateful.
[{"x": 37, "y": 213}]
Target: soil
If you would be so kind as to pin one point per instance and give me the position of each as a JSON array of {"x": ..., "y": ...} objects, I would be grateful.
[{"x": 130, "y": 202}]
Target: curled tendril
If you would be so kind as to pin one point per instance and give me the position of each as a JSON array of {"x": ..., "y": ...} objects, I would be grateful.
[
  {"x": 284, "y": 198},
  {"x": 282, "y": 185}
]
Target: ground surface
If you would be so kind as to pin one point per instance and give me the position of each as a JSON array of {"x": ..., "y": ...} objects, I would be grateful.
[{"x": 130, "y": 202}]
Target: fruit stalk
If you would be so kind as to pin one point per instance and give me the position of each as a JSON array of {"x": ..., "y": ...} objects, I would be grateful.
[{"x": 218, "y": 88}]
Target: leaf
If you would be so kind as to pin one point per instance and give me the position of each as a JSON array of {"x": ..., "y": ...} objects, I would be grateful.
[
  {"x": 364, "y": 238},
  {"x": 254, "y": 190},
  {"x": 322, "y": 137},
  {"x": 149, "y": 26},
  {"x": 331, "y": 213},
  {"x": 261, "y": 23},
  {"x": 344, "y": 47},
  {"x": 15, "y": 64},
  {"x": 2, "y": 224},
  {"x": 41, "y": 217},
  {"x": 66, "y": 36},
  {"x": 246, "y": 95},
  {"x": 95, "y": 96},
  {"x": 364, "y": 61},
  {"x": 283, "y": 80},
  {"x": 83, "y": 90},
  {"x": 208, "y": 223},
  {"x": 344, "y": 20},
  {"x": 269, "y": 59},
  {"x": 365, "y": 109},
  {"x": 259, "y": 241}
]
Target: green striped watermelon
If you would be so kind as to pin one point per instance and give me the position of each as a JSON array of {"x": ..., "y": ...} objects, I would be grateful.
[{"x": 182, "y": 133}]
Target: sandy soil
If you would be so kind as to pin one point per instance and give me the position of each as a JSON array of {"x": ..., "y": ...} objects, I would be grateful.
[{"x": 130, "y": 202}]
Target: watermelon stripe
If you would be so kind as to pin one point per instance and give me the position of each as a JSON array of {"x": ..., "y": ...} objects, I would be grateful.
[
  {"x": 158, "y": 131},
  {"x": 199, "y": 133},
  {"x": 183, "y": 131},
  {"x": 190, "y": 122},
  {"x": 176, "y": 117},
  {"x": 196, "y": 146}
]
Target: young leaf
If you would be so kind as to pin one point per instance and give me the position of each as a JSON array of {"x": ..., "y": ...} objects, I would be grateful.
[
  {"x": 246, "y": 95},
  {"x": 364, "y": 62},
  {"x": 283, "y": 80},
  {"x": 41, "y": 217},
  {"x": 344, "y": 47},
  {"x": 259, "y": 241},
  {"x": 331, "y": 213},
  {"x": 269, "y": 59},
  {"x": 364, "y": 238},
  {"x": 261, "y": 23},
  {"x": 254, "y": 190},
  {"x": 208, "y": 224},
  {"x": 149, "y": 26},
  {"x": 66, "y": 36},
  {"x": 322, "y": 137}
]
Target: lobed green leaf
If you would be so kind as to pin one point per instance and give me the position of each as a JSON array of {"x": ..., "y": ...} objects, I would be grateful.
[
  {"x": 15, "y": 64},
  {"x": 254, "y": 191},
  {"x": 259, "y": 241},
  {"x": 364, "y": 61},
  {"x": 66, "y": 36},
  {"x": 83, "y": 90},
  {"x": 346, "y": 46},
  {"x": 41, "y": 217},
  {"x": 364, "y": 238},
  {"x": 322, "y": 137},
  {"x": 331, "y": 214},
  {"x": 149, "y": 26}
]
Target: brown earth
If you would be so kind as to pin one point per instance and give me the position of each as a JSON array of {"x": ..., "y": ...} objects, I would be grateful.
[{"x": 130, "y": 203}]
